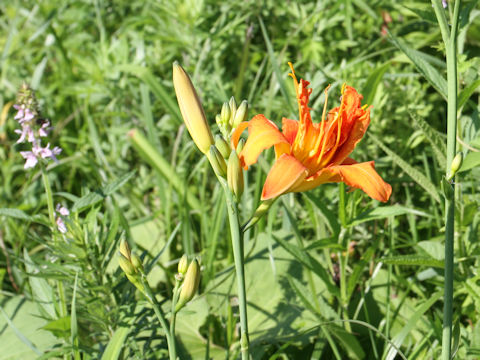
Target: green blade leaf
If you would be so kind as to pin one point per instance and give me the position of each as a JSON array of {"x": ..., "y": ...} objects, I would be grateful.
[
  {"x": 385, "y": 212},
  {"x": 400, "y": 337},
  {"x": 413, "y": 260},
  {"x": 427, "y": 70},
  {"x": 415, "y": 174}
]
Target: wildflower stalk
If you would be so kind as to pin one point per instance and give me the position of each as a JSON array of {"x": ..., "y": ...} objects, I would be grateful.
[
  {"x": 161, "y": 317},
  {"x": 51, "y": 216},
  {"x": 237, "y": 242},
  {"x": 450, "y": 40}
]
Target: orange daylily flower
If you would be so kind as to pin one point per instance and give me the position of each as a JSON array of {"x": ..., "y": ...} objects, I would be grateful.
[{"x": 310, "y": 154}]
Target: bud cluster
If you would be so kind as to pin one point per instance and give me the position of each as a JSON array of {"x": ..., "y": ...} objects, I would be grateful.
[
  {"x": 34, "y": 127},
  {"x": 231, "y": 116},
  {"x": 189, "y": 278},
  {"x": 131, "y": 265},
  {"x": 223, "y": 159}
]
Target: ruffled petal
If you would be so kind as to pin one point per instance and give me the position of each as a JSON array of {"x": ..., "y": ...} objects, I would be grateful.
[
  {"x": 289, "y": 129},
  {"x": 285, "y": 173},
  {"x": 358, "y": 175},
  {"x": 354, "y": 125},
  {"x": 262, "y": 134}
]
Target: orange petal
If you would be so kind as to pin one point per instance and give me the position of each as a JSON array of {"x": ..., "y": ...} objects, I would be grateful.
[
  {"x": 354, "y": 125},
  {"x": 285, "y": 173},
  {"x": 262, "y": 134},
  {"x": 360, "y": 175},
  {"x": 289, "y": 129},
  {"x": 237, "y": 133}
]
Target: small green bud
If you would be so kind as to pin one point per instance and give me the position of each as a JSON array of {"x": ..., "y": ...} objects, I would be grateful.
[
  {"x": 217, "y": 161},
  {"x": 183, "y": 264},
  {"x": 218, "y": 120},
  {"x": 126, "y": 265},
  {"x": 235, "y": 175},
  {"x": 137, "y": 263},
  {"x": 233, "y": 109},
  {"x": 241, "y": 114},
  {"x": 190, "y": 285},
  {"x": 222, "y": 146},
  {"x": 456, "y": 165},
  {"x": 125, "y": 249},
  {"x": 240, "y": 145},
  {"x": 225, "y": 114}
]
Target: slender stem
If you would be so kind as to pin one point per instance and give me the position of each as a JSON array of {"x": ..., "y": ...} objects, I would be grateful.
[
  {"x": 452, "y": 83},
  {"x": 48, "y": 193},
  {"x": 161, "y": 317},
  {"x": 237, "y": 243},
  {"x": 173, "y": 317},
  {"x": 51, "y": 216}
]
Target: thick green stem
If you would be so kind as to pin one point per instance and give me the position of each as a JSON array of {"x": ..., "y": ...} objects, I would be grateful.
[
  {"x": 237, "y": 243},
  {"x": 450, "y": 40},
  {"x": 161, "y": 317}
]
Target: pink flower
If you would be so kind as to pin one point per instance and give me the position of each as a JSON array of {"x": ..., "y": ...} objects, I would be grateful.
[{"x": 61, "y": 212}]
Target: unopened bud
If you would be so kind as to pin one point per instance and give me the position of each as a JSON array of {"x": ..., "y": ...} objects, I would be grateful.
[
  {"x": 217, "y": 161},
  {"x": 125, "y": 249},
  {"x": 233, "y": 109},
  {"x": 126, "y": 265},
  {"x": 190, "y": 285},
  {"x": 225, "y": 114},
  {"x": 240, "y": 145},
  {"x": 241, "y": 114},
  {"x": 456, "y": 165},
  {"x": 183, "y": 264},
  {"x": 137, "y": 263},
  {"x": 191, "y": 109},
  {"x": 235, "y": 175},
  {"x": 222, "y": 146}
]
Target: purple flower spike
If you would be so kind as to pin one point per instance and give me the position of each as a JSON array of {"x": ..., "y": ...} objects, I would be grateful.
[
  {"x": 61, "y": 212},
  {"x": 33, "y": 128},
  {"x": 444, "y": 4}
]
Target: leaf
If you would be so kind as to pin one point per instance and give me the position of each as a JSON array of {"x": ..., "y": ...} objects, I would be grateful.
[
  {"x": 400, "y": 337},
  {"x": 415, "y": 174},
  {"x": 151, "y": 155},
  {"x": 304, "y": 294},
  {"x": 433, "y": 249},
  {"x": 427, "y": 70},
  {"x": 373, "y": 80},
  {"x": 96, "y": 196},
  {"x": 21, "y": 215},
  {"x": 471, "y": 160},
  {"x": 276, "y": 69},
  {"x": 413, "y": 260},
  {"x": 59, "y": 327},
  {"x": 157, "y": 88},
  {"x": 385, "y": 212},
  {"x": 117, "y": 184},
  {"x": 116, "y": 343},
  {"x": 330, "y": 218},
  {"x": 348, "y": 341},
  {"x": 41, "y": 290},
  {"x": 435, "y": 138},
  {"x": 307, "y": 260},
  {"x": 22, "y": 336},
  {"x": 467, "y": 92}
]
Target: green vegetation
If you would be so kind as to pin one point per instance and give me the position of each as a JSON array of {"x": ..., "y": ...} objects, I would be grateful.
[{"x": 329, "y": 273}]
